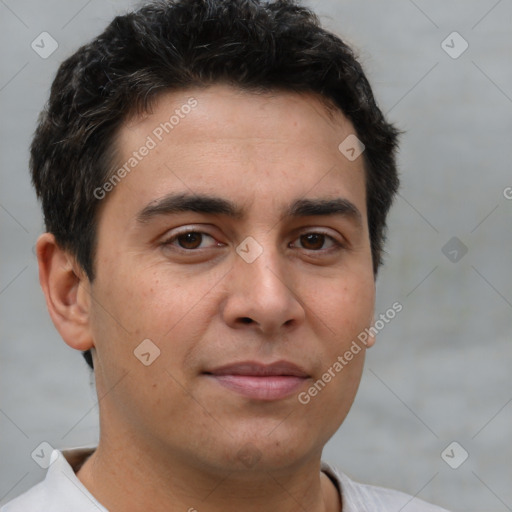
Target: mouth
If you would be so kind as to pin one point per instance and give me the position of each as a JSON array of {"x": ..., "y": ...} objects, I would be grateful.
[{"x": 266, "y": 382}]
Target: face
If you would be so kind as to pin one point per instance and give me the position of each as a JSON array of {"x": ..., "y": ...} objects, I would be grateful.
[{"x": 236, "y": 244}]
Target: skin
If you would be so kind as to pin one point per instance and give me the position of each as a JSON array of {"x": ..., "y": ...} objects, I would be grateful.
[{"x": 171, "y": 438}]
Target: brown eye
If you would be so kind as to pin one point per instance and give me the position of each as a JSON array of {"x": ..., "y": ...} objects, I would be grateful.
[
  {"x": 190, "y": 240},
  {"x": 317, "y": 242},
  {"x": 312, "y": 241}
]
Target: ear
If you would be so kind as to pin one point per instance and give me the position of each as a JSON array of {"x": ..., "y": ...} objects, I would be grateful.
[{"x": 67, "y": 292}]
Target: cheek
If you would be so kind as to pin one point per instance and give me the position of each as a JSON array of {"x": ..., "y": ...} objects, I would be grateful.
[
  {"x": 135, "y": 297},
  {"x": 154, "y": 302},
  {"x": 347, "y": 306}
]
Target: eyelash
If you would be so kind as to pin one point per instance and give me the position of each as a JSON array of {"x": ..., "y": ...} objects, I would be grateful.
[
  {"x": 169, "y": 241},
  {"x": 336, "y": 245}
]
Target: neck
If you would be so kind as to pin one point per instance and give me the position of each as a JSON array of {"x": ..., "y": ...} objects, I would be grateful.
[{"x": 130, "y": 478}]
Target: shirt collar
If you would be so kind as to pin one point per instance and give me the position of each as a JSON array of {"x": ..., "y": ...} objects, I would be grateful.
[
  {"x": 69, "y": 492},
  {"x": 65, "y": 488}
]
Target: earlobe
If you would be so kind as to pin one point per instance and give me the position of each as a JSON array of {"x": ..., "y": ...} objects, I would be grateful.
[
  {"x": 66, "y": 289},
  {"x": 370, "y": 341}
]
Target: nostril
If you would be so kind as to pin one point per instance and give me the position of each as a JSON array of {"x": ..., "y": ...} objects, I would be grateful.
[{"x": 246, "y": 320}]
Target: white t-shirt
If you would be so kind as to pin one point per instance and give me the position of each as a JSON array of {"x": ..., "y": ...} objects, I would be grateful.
[{"x": 62, "y": 491}]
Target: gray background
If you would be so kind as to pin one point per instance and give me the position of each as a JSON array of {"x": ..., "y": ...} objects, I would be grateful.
[{"x": 440, "y": 371}]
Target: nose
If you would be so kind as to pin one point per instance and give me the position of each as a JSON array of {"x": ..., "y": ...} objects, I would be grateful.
[{"x": 262, "y": 295}]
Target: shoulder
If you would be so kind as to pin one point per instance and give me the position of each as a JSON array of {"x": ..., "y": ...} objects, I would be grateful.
[
  {"x": 34, "y": 500},
  {"x": 357, "y": 497},
  {"x": 60, "y": 491}
]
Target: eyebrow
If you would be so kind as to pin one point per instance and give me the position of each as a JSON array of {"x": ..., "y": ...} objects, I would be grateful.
[{"x": 178, "y": 203}]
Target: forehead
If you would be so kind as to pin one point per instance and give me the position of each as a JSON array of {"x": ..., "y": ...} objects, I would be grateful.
[
  {"x": 272, "y": 145},
  {"x": 221, "y": 102}
]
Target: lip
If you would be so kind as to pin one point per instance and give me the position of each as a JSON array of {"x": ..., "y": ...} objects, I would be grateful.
[{"x": 260, "y": 381}]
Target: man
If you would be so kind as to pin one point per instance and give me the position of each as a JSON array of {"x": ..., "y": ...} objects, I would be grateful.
[{"x": 215, "y": 178}]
